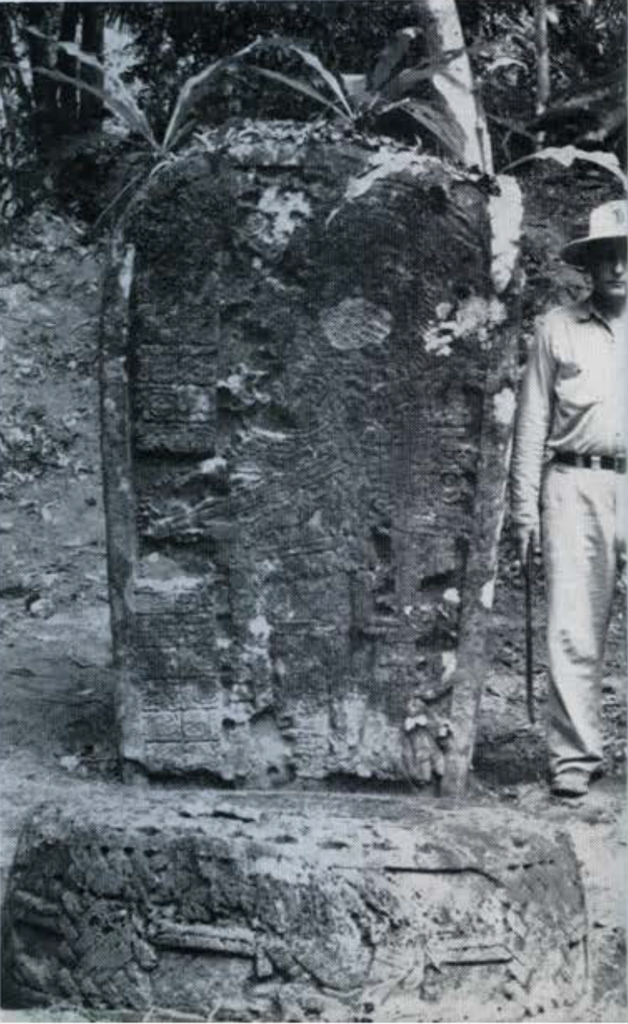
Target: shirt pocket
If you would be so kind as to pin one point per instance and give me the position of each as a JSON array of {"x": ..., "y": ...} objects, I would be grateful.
[{"x": 578, "y": 386}]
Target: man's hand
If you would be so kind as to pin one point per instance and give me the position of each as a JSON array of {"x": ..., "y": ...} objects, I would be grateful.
[{"x": 526, "y": 535}]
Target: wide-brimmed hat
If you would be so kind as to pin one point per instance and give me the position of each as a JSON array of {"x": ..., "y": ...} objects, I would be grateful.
[{"x": 610, "y": 220}]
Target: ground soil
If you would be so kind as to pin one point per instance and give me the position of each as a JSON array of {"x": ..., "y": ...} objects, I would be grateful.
[{"x": 57, "y": 679}]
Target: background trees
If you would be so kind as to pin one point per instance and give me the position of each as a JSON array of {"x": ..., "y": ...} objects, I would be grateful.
[
  {"x": 564, "y": 85},
  {"x": 55, "y": 109}
]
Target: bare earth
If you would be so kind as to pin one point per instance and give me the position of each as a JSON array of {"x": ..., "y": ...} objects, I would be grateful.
[{"x": 57, "y": 723}]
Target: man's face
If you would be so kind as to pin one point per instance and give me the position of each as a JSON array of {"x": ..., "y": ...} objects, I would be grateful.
[{"x": 607, "y": 266}]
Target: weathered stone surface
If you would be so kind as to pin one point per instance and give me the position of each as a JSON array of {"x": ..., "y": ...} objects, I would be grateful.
[
  {"x": 310, "y": 455},
  {"x": 294, "y": 907}
]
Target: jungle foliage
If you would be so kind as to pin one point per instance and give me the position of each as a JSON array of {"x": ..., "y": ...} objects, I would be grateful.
[{"x": 56, "y": 81}]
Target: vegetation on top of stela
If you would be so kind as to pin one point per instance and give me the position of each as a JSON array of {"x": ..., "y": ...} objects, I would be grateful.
[
  {"x": 359, "y": 100},
  {"x": 293, "y": 70},
  {"x": 366, "y": 102}
]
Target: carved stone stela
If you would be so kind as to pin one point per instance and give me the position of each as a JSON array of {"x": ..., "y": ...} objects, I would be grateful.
[{"x": 307, "y": 369}]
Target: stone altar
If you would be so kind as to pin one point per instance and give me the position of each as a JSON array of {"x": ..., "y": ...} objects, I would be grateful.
[{"x": 293, "y": 907}]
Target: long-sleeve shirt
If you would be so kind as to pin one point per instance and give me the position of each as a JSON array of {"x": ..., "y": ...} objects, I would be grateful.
[{"x": 570, "y": 399}]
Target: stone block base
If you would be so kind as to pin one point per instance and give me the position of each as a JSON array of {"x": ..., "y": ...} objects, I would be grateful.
[{"x": 293, "y": 907}]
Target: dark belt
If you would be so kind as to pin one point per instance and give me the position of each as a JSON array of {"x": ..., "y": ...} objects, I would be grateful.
[{"x": 616, "y": 462}]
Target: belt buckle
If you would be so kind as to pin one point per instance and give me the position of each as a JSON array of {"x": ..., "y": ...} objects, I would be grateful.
[{"x": 595, "y": 461}]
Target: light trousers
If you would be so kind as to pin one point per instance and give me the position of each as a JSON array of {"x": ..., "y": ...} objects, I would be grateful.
[{"x": 583, "y": 523}]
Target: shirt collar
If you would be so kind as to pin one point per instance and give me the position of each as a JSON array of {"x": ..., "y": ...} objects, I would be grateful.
[{"x": 585, "y": 310}]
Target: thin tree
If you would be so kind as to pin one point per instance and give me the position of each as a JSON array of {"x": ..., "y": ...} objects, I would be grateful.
[
  {"x": 67, "y": 96},
  {"x": 42, "y": 18},
  {"x": 542, "y": 63},
  {"x": 91, "y": 108},
  {"x": 441, "y": 22}
]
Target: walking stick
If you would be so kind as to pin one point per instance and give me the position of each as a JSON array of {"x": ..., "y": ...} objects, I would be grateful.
[{"x": 529, "y": 574}]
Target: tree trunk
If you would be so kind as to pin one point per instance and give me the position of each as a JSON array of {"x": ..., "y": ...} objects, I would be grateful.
[
  {"x": 67, "y": 97},
  {"x": 91, "y": 109},
  {"x": 39, "y": 17},
  {"x": 444, "y": 33},
  {"x": 542, "y": 63},
  {"x": 8, "y": 53}
]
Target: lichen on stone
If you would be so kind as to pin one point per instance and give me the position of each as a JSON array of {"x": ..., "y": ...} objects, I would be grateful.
[
  {"x": 504, "y": 405},
  {"x": 385, "y": 162},
  {"x": 283, "y": 211},
  {"x": 487, "y": 594},
  {"x": 354, "y": 323},
  {"x": 474, "y": 318}
]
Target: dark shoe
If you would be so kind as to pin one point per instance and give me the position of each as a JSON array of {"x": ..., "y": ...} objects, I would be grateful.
[{"x": 571, "y": 785}]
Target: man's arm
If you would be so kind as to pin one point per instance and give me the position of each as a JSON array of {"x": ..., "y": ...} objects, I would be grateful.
[{"x": 534, "y": 415}]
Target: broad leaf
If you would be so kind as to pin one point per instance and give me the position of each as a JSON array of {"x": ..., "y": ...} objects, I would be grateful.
[
  {"x": 180, "y": 134},
  {"x": 567, "y": 155},
  {"x": 302, "y": 87},
  {"x": 407, "y": 79},
  {"x": 430, "y": 118},
  {"x": 391, "y": 56},
  {"x": 439, "y": 124},
  {"x": 75, "y": 51},
  {"x": 504, "y": 62},
  {"x": 195, "y": 88},
  {"x": 331, "y": 80},
  {"x": 70, "y": 48},
  {"x": 355, "y": 87},
  {"x": 609, "y": 123}
]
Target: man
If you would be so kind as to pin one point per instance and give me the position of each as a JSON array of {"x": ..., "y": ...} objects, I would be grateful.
[{"x": 569, "y": 458}]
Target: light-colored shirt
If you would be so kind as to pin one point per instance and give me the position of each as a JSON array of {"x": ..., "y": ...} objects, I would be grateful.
[{"x": 570, "y": 399}]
